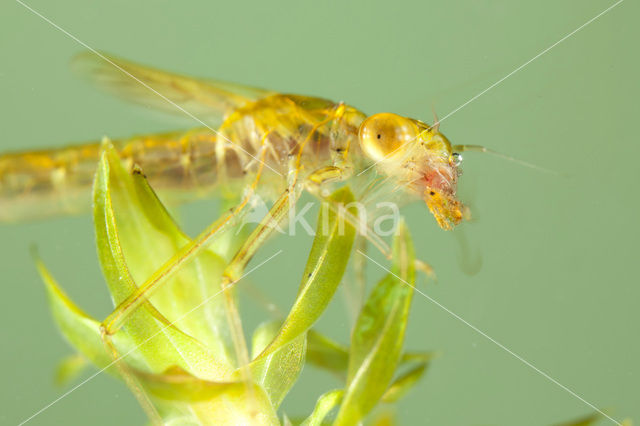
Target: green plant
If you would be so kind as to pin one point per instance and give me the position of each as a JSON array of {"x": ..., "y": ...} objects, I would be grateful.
[{"x": 176, "y": 352}]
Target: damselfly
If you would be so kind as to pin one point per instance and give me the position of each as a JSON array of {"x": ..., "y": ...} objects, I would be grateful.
[
  {"x": 265, "y": 143},
  {"x": 248, "y": 138}
]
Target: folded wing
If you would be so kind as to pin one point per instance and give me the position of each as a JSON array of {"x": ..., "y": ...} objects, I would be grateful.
[{"x": 206, "y": 100}]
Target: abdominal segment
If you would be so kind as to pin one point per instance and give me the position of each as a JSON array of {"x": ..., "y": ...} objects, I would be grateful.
[{"x": 39, "y": 184}]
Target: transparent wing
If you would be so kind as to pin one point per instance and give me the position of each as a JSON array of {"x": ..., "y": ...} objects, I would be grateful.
[{"x": 208, "y": 100}]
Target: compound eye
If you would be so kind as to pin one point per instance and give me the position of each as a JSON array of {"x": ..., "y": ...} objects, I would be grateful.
[{"x": 386, "y": 135}]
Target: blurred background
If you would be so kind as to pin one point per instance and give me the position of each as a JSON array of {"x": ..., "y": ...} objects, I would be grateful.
[{"x": 546, "y": 267}]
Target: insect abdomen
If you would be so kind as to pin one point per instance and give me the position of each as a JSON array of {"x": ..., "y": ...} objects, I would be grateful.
[{"x": 38, "y": 184}]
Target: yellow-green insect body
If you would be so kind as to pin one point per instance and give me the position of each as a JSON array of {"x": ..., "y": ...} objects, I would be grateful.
[{"x": 256, "y": 137}]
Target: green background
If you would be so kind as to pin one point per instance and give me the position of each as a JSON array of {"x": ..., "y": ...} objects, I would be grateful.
[{"x": 558, "y": 278}]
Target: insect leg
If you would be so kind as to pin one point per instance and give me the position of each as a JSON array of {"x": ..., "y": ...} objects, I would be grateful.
[
  {"x": 131, "y": 381},
  {"x": 116, "y": 319},
  {"x": 355, "y": 289},
  {"x": 332, "y": 173},
  {"x": 234, "y": 269}
]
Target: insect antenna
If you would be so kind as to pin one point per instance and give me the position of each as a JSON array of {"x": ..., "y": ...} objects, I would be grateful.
[{"x": 480, "y": 148}]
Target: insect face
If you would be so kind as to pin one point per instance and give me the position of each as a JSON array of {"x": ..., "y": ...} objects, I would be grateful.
[{"x": 418, "y": 158}]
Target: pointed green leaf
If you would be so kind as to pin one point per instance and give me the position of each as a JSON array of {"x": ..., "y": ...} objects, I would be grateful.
[
  {"x": 277, "y": 372},
  {"x": 178, "y": 385},
  {"x": 325, "y": 404},
  {"x": 325, "y": 267},
  {"x": 159, "y": 342},
  {"x": 378, "y": 335},
  {"x": 331, "y": 356},
  {"x": 587, "y": 420},
  {"x": 385, "y": 417},
  {"x": 149, "y": 237},
  {"x": 405, "y": 382},
  {"x": 286, "y": 421},
  {"x": 70, "y": 368},
  {"x": 325, "y": 353},
  {"x": 183, "y": 399},
  {"x": 212, "y": 403},
  {"x": 80, "y": 329}
]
